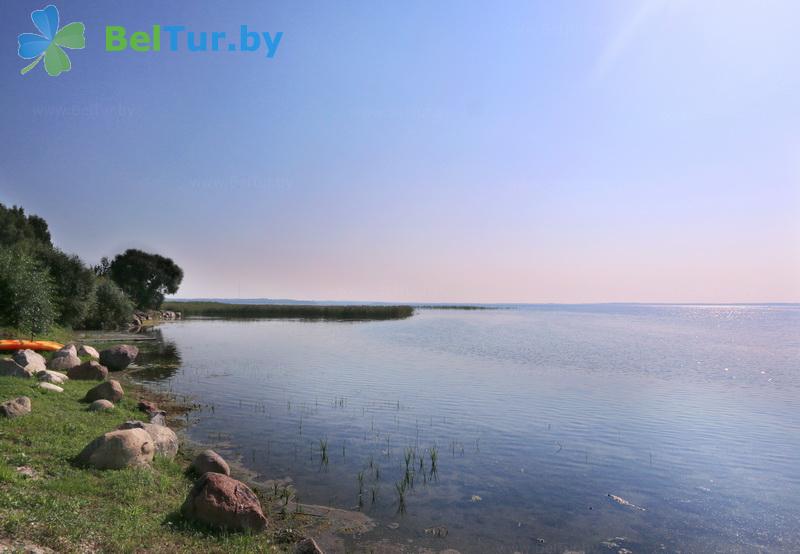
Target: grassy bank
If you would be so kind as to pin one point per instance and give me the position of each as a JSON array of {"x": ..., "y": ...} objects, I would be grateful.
[
  {"x": 296, "y": 311},
  {"x": 71, "y": 509}
]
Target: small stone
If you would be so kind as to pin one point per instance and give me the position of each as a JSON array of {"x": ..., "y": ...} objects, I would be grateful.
[
  {"x": 158, "y": 418},
  {"x": 49, "y": 376},
  {"x": 50, "y": 387},
  {"x": 86, "y": 350},
  {"x": 307, "y": 546},
  {"x": 208, "y": 460},
  {"x": 110, "y": 390},
  {"x": 147, "y": 407},
  {"x": 17, "y": 407},
  {"x": 27, "y": 471},
  {"x": 101, "y": 405}
]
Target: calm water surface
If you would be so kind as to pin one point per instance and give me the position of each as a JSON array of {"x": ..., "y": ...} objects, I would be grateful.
[{"x": 536, "y": 415}]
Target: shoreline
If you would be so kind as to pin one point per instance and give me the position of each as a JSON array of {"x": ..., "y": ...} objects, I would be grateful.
[
  {"x": 289, "y": 521},
  {"x": 325, "y": 524}
]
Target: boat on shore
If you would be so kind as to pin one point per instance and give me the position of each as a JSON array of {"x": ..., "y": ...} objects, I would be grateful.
[{"x": 40, "y": 345}]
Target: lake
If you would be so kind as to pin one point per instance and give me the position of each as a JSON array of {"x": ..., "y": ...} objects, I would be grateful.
[{"x": 688, "y": 415}]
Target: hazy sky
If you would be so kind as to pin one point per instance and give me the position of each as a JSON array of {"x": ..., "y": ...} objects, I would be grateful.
[{"x": 525, "y": 151}]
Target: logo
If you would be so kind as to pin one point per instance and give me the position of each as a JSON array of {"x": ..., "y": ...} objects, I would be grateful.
[{"x": 49, "y": 46}]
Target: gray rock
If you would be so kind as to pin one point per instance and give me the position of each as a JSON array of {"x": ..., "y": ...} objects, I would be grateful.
[
  {"x": 118, "y": 357},
  {"x": 65, "y": 361},
  {"x": 158, "y": 418},
  {"x": 86, "y": 350},
  {"x": 221, "y": 501},
  {"x": 10, "y": 368},
  {"x": 208, "y": 460},
  {"x": 17, "y": 407},
  {"x": 66, "y": 350},
  {"x": 110, "y": 390},
  {"x": 307, "y": 546},
  {"x": 30, "y": 360},
  {"x": 101, "y": 405},
  {"x": 54, "y": 377},
  {"x": 50, "y": 387},
  {"x": 88, "y": 371},
  {"x": 164, "y": 438},
  {"x": 118, "y": 450}
]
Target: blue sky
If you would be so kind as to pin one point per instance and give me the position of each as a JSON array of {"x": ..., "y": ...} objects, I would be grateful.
[{"x": 426, "y": 151}]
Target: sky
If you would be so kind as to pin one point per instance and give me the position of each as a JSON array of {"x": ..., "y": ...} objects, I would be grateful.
[{"x": 418, "y": 151}]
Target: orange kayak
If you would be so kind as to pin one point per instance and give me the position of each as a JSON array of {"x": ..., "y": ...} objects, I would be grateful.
[{"x": 12, "y": 344}]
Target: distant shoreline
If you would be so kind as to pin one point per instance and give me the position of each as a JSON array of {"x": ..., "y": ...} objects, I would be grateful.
[{"x": 290, "y": 311}]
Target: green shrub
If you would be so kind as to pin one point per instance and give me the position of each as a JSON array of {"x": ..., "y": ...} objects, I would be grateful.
[
  {"x": 111, "y": 307},
  {"x": 26, "y": 293}
]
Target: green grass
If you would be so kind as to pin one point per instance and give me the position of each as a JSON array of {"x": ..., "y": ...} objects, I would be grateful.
[
  {"x": 294, "y": 311},
  {"x": 71, "y": 509},
  {"x": 55, "y": 333}
]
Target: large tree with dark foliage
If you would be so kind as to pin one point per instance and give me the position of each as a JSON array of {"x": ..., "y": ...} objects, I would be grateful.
[{"x": 145, "y": 277}]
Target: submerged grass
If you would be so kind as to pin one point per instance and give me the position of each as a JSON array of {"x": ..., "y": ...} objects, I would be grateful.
[
  {"x": 294, "y": 311},
  {"x": 70, "y": 509}
]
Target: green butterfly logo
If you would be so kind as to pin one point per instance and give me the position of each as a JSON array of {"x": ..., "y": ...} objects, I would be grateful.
[{"x": 49, "y": 45}]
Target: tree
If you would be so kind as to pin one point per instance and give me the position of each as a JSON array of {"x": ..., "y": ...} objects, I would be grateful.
[
  {"x": 74, "y": 284},
  {"x": 145, "y": 277},
  {"x": 111, "y": 308},
  {"x": 26, "y": 293},
  {"x": 16, "y": 227}
]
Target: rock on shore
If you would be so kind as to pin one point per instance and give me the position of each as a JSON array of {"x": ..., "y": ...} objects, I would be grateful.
[
  {"x": 210, "y": 461},
  {"x": 88, "y": 371},
  {"x": 164, "y": 439},
  {"x": 17, "y": 407},
  {"x": 221, "y": 501},
  {"x": 30, "y": 360},
  {"x": 119, "y": 357},
  {"x": 118, "y": 450},
  {"x": 110, "y": 390},
  {"x": 10, "y": 368}
]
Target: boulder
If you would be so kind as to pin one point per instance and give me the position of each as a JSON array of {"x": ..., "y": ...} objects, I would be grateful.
[
  {"x": 221, "y": 501},
  {"x": 147, "y": 407},
  {"x": 88, "y": 371},
  {"x": 118, "y": 450},
  {"x": 86, "y": 350},
  {"x": 165, "y": 440},
  {"x": 50, "y": 387},
  {"x": 307, "y": 546},
  {"x": 17, "y": 407},
  {"x": 210, "y": 461},
  {"x": 158, "y": 418},
  {"x": 30, "y": 360},
  {"x": 64, "y": 362},
  {"x": 119, "y": 357},
  {"x": 101, "y": 405},
  {"x": 110, "y": 390},
  {"x": 66, "y": 350},
  {"x": 54, "y": 377},
  {"x": 10, "y": 368}
]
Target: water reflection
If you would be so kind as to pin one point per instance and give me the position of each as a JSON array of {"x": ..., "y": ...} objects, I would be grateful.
[{"x": 537, "y": 430}]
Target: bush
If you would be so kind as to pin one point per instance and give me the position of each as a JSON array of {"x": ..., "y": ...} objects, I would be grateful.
[
  {"x": 111, "y": 307},
  {"x": 74, "y": 284},
  {"x": 26, "y": 293}
]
